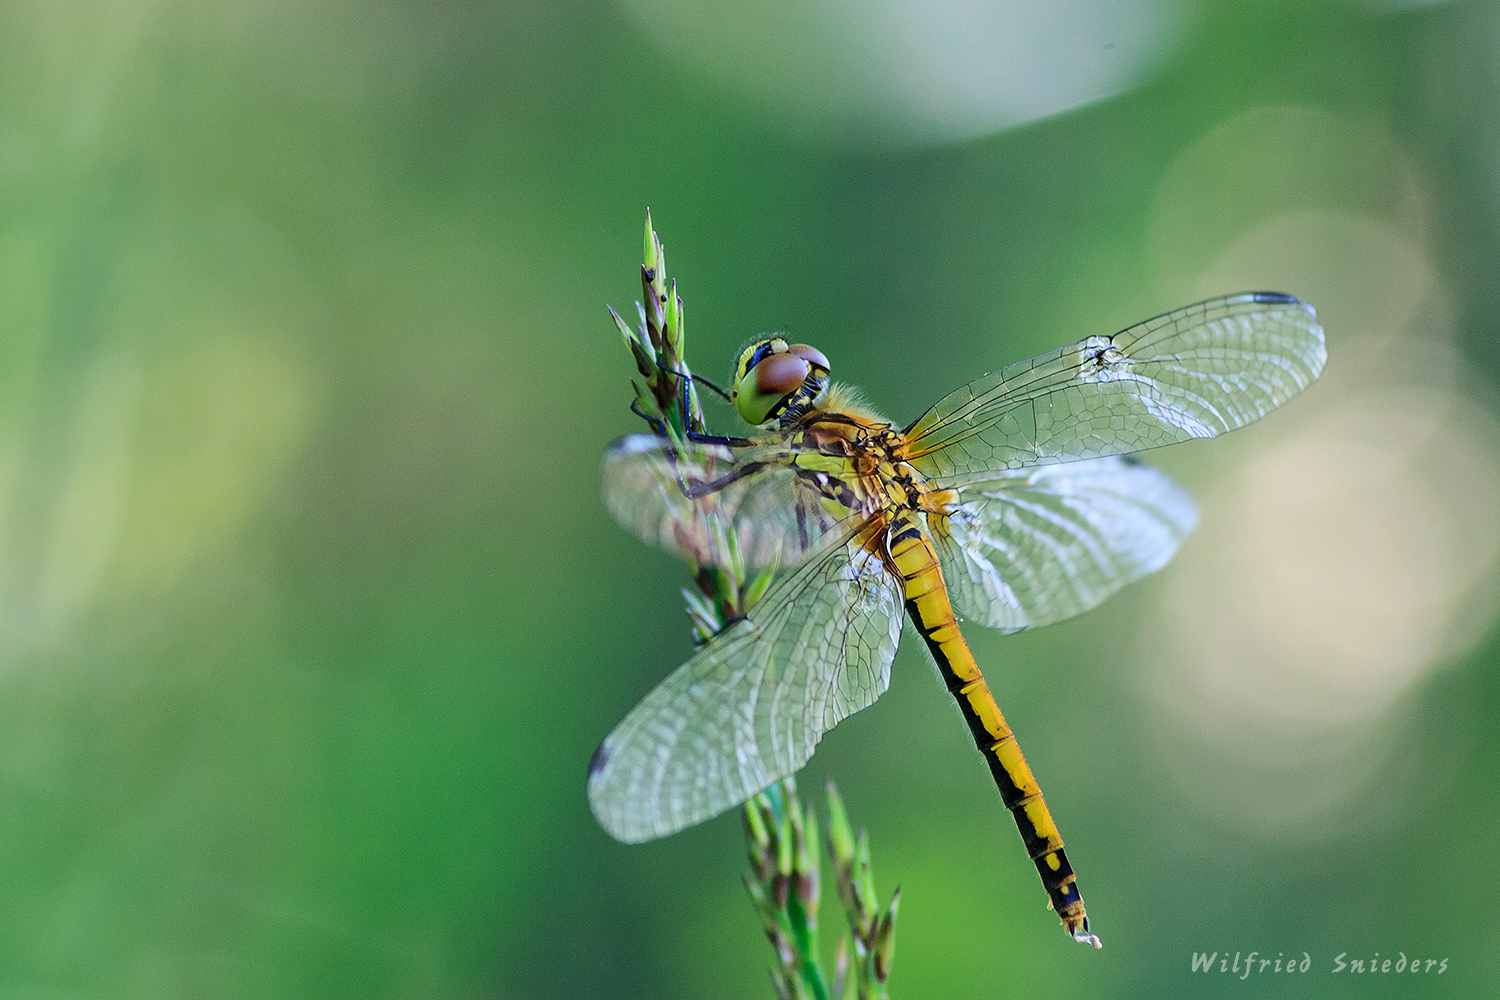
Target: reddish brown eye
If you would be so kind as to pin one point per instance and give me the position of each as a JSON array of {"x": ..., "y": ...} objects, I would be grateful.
[
  {"x": 779, "y": 374},
  {"x": 812, "y": 354}
]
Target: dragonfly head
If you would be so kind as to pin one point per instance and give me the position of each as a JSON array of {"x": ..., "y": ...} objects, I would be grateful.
[{"x": 773, "y": 377}]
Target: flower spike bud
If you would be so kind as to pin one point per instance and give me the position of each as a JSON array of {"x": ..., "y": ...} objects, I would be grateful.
[
  {"x": 650, "y": 308},
  {"x": 840, "y": 834},
  {"x": 648, "y": 254},
  {"x": 659, "y": 284},
  {"x": 841, "y": 966},
  {"x": 783, "y": 843},
  {"x": 705, "y": 619},
  {"x": 727, "y": 591},
  {"x": 885, "y": 939},
  {"x": 674, "y": 337},
  {"x": 647, "y": 403},
  {"x": 808, "y": 861},
  {"x": 734, "y": 556},
  {"x": 758, "y": 840},
  {"x": 758, "y": 587},
  {"x": 644, "y": 333},
  {"x": 645, "y": 357}
]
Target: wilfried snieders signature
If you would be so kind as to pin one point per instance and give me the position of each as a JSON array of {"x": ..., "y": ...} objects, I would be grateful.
[{"x": 1242, "y": 967}]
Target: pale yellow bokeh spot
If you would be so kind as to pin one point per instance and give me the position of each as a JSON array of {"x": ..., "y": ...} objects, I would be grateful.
[
  {"x": 1334, "y": 570},
  {"x": 151, "y": 470},
  {"x": 1350, "y": 545},
  {"x": 85, "y": 519},
  {"x": 1267, "y": 163},
  {"x": 217, "y": 423}
]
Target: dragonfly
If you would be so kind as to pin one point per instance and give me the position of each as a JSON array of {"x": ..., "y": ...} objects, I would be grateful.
[{"x": 1011, "y": 503}]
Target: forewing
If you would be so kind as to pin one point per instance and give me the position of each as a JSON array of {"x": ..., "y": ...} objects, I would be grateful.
[
  {"x": 773, "y": 516},
  {"x": 1040, "y": 545},
  {"x": 1196, "y": 372},
  {"x": 748, "y": 708}
]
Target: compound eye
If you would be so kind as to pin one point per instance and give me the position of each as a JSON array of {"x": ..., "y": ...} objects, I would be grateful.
[
  {"x": 755, "y": 354},
  {"x": 773, "y": 375},
  {"x": 770, "y": 372},
  {"x": 780, "y": 374},
  {"x": 811, "y": 355}
]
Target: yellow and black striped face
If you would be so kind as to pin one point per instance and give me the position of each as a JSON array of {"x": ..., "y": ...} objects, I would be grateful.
[{"x": 773, "y": 376}]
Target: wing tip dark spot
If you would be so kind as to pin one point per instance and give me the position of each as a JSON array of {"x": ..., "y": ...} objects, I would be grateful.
[
  {"x": 1282, "y": 299},
  {"x": 599, "y": 760}
]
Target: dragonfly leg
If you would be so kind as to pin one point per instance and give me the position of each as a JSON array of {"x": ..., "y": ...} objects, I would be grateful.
[
  {"x": 701, "y": 380},
  {"x": 700, "y": 490},
  {"x": 657, "y": 427},
  {"x": 697, "y": 437}
]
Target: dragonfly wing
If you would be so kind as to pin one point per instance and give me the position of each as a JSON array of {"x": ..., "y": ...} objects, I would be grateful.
[
  {"x": 1196, "y": 372},
  {"x": 748, "y": 708},
  {"x": 1040, "y": 545},
  {"x": 774, "y": 517}
]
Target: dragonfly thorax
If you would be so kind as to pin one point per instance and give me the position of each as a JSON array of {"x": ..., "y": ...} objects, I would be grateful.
[
  {"x": 774, "y": 379},
  {"x": 859, "y": 459}
]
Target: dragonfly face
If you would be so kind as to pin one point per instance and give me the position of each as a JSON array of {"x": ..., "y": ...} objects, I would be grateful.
[{"x": 1008, "y": 501}]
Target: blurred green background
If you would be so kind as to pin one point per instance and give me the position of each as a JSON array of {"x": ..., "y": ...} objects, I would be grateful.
[{"x": 310, "y": 615}]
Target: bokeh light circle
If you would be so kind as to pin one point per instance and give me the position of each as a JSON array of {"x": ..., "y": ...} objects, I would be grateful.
[{"x": 908, "y": 73}]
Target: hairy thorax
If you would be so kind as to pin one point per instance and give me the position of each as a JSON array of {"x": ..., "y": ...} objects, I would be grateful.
[{"x": 855, "y": 459}]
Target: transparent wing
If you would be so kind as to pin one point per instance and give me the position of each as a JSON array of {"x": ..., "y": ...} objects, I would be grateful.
[
  {"x": 1037, "y": 546},
  {"x": 749, "y": 708},
  {"x": 1196, "y": 372},
  {"x": 775, "y": 517}
]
